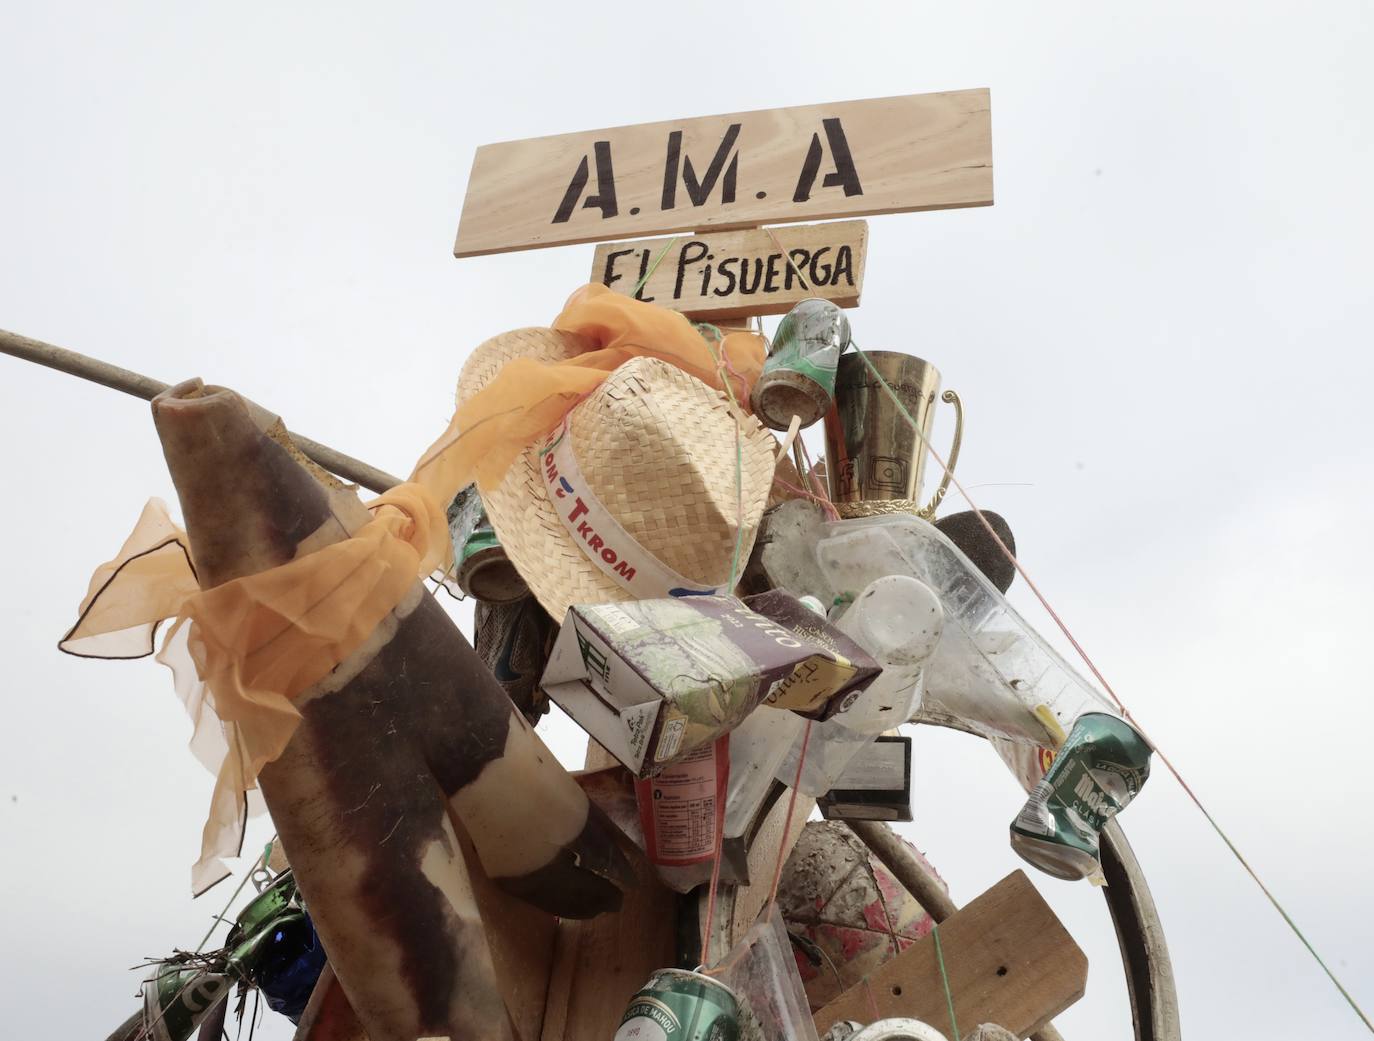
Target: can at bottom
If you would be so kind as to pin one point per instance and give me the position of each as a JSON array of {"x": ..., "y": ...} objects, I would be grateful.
[
  {"x": 176, "y": 999},
  {"x": 679, "y": 1005},
  {"x": 1098, "y": 771}
]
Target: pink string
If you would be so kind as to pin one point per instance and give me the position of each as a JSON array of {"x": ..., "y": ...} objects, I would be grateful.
[
  {"x": 1097, "y": 674},
  {"x": 814, "y": 480},
  {"x": 819, "y": 500},
  {"x": 715, "y": 877},
  {"x": 791, "y": 808}
]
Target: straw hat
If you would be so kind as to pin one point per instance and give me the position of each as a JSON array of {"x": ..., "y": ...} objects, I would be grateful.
[{"x": 657, "y": 447}]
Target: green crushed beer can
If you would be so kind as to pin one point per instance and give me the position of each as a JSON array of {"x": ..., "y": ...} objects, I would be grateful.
[
  {"x": 1098, "y": 771},
  {"x": 678, "y": 1005},
  {"x": 482, "y": 569},
  {"x": 176, "y": 998},
  {"x": 798, "y": 376}
]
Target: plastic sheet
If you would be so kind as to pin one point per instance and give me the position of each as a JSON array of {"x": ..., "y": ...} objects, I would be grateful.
[
  {"x": 758, "y": 747},
  {"x": 762, "y": 971}
]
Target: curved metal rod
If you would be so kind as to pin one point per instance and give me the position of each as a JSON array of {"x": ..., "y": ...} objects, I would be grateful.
[
  {"x": 1149, "y": 979},
  {"x": 1139, "y": 931}
]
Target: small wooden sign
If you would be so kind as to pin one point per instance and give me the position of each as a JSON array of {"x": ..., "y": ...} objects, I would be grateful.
[
  {"x": 814, "y": 162},
  {"x": 734, "y": 273},
  {"x": 1005, "y": 958}
]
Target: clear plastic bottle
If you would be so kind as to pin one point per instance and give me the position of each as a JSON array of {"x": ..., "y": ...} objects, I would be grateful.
[
  {"x": 991, "y": 670},
  {"x": 898, "y": 620}
]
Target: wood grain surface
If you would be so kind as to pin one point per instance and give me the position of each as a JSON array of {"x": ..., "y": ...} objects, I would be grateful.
[
  {"x": 730, "y": 274},
  {"x": 812, "y": 162},
  {"x": 1009, "y": 960}
]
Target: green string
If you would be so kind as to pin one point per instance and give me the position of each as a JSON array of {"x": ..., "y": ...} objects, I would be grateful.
[
  {"x": 653, "y": 267},
  {"x": 1176, "y": 775},
  {"x": 944, "y": 977}
]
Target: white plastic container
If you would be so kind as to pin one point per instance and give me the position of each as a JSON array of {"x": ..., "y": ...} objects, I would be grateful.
[
  {"x": 990, "y": 670},
  {"x": 898, "y": 620}
]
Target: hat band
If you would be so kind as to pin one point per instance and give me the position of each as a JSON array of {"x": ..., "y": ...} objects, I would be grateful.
[{"x": 599, "y": 535}]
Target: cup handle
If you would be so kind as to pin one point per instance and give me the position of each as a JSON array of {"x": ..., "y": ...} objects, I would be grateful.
[{"x": 927, "y": 512}]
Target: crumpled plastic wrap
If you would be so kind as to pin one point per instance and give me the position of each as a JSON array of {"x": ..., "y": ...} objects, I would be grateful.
[{"x": 762, "y": 971}]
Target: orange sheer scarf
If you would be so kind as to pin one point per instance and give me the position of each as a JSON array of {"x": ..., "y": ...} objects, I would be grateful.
[
  {"x": 242, "y": 651},
  {"x": 527, "y": 399}
]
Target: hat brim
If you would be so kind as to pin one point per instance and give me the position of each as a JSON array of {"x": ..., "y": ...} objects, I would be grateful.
[{"x": 555, "y": 567}]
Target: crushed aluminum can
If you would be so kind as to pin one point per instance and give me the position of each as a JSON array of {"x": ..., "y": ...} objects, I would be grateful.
[
  {"x": 274, "y": 946},
  {"x": 482, "y": 569},
  {"x": 680, "y": 1005},
  {"x": 1098, "y": 771},
  {"x": 272, "y": 902},
  {"x": 798, "y": 376},
  {"x": 177, "y": 997}
]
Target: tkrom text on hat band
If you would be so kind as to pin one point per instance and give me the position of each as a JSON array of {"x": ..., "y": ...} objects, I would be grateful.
[{"x": 599, "y": 535}]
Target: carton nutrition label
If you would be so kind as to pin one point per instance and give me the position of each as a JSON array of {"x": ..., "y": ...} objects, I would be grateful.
[{"x": 678, "y": 807}]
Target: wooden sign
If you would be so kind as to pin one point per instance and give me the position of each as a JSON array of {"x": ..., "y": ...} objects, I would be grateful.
[
  {"x": 733, "y": 273},
  {"x": 815, "y": 162},
  {"x": 1006, "y": 956}
]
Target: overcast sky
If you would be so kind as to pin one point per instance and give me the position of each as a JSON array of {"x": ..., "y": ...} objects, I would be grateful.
[{"x": 1161, "y": 332}]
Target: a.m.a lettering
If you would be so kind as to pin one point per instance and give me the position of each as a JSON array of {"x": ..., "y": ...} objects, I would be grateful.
[{"x": 701, "y": 181}]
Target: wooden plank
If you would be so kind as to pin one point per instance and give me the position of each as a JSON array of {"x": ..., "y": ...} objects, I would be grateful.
[
  {"x": 731, "y": 274},
  {"x": 763, "y": 859},
  {"x": 1009, "y": 961},
  {"x": 921, "y": 882},
  {"x": 328, "y": 1016},
  {"x": 812, "y": 162},
  {"x": 600, "y": 963},
  {"x": 738, "y": 907},
  {"x": 521, "y": 939}
]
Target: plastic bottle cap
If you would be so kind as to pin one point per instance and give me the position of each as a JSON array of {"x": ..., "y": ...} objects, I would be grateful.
[{"x": 899, "y": 617}]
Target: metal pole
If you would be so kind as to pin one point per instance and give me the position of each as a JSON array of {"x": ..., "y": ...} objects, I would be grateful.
[
  {"x": 147, "y": 388},
  {"x": 920, "y": 882}
]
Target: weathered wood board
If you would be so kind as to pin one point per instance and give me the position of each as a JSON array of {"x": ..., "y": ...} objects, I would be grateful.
[
  {"x": 812, "y": 162},
  {"x": 600, "y": 963},
  {"x": 1009, "y": 961},
  {"x": 729, "y": 274}
]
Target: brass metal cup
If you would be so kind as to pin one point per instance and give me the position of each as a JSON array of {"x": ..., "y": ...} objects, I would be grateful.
[{"x": 875, "y": 460}]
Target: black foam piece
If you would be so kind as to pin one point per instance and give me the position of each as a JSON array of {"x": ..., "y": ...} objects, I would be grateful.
[{"x": 966, "y": 531}]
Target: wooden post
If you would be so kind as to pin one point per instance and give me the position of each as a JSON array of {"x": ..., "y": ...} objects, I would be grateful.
[{"x": 147, "y": 388}]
